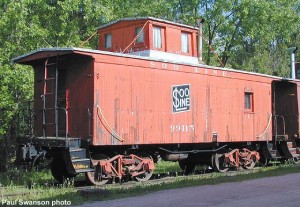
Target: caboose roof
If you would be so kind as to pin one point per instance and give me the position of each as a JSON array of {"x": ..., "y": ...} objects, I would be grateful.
[
  {"x": 147, "y": 18},
  {"x": 44, "y": 53}
]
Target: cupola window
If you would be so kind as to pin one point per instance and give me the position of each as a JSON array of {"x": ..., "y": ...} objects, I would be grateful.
[
  {"x": 139, "y": 31},
  {"x": 185, "y": 42},
  {"x": 108, "y": 40},
  {"x": 157, "y": 37}
]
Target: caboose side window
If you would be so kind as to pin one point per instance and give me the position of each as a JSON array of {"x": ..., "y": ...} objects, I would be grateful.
[
  {"x": 157, "y": 37},
  {"x": 139, "y": 31},
  {"x": 184, "y": 42},
  {"x": 108, "y": 40},
  {"x": 248, "y": 101}
]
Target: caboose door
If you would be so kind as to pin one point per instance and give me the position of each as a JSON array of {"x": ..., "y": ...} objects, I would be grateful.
[{"x": 285, "y": 110}]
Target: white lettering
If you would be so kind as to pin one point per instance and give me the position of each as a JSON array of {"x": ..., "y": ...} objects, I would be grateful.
[
  {"x": 152, "y": 64},
  {"x": 33, "y": 203},
  {"x": 172, "y": 128},
  {"x": 164, "y": 65},
  {"x": 61, "y": 203},
  {"x": 182, "y": 128},
  {"x": 9, "y": 203}
]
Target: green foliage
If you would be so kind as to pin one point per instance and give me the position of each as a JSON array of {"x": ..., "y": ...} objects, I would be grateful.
[
  {"x": 246, "y": 30},
  {"x": 18, "y": 177}
]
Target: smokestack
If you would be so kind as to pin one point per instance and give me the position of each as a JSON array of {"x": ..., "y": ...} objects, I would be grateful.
[
  {"x": 292, "y": 51},
  {"x": 199, "y": 23}
]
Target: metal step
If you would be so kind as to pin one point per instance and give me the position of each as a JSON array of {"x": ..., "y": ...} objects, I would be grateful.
[
  {"x": 77, "y": 153},
  {"x": 80, "y": 160},
  {"x": 293, "y": 150},
  {"x": 276, "y": 157},
  {"x": 273, "y": 153},
  {"x": 81, "y": 164}
]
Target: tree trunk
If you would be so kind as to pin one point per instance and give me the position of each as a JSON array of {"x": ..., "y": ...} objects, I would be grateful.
[{"x": 3, "y": 155}]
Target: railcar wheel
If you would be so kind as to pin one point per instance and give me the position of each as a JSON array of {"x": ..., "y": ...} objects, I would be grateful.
[
  {"x": 219, "y": 163},
  {"x": 263, "y": 160},
  {"x": 250, "y": 165},
  {"x": 187, "y": 166},
  {"x": 147, "y": 175},
  {"x": 98, "y": 178}
]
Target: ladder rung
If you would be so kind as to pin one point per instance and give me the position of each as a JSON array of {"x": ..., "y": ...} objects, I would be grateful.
[
  {"x": 48, "y": 109},
  {"x": 49, "y": 124},
  {"x": 49, "y": 79},
  {"x": 51, "y": 64}
]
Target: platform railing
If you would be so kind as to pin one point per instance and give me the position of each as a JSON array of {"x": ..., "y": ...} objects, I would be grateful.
[{"x": 279, "y": 127}]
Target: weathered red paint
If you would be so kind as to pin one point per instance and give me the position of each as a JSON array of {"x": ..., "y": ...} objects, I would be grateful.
[{"x": 135, "y": 97}]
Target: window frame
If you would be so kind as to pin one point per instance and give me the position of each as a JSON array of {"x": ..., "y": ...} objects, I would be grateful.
[
  {"x": 249, "y": 101},
  {"x": 108, "y": 41},
  {"x": 185, "y": 42},
  {"x": 157, "y": 42},
  {"x": 140, "y": 38}
]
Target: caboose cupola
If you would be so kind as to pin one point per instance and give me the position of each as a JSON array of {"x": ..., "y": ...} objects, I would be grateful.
[{"x": 150, "y": 37}]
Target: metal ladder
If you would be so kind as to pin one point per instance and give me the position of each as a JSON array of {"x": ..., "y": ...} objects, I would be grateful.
[{"x": 52, "y": 81}]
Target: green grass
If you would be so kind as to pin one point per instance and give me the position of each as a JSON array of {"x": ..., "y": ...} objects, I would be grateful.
[
  {"x": 164, "y": 167},
  {"x": 19, "y": 181}
]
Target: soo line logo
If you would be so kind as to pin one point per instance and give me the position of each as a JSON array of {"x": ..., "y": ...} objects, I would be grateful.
[{"x": 181, "y": 98}]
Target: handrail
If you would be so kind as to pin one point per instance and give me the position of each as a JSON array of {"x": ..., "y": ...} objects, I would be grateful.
[
  {"x": 110, "y": 130},
  {"x": 276, "y": 125},
  {"x": 267, "y": 127},
  {"x": 90, "y": 117}
]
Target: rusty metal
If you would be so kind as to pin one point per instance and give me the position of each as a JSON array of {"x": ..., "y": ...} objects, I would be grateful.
[
  {"x": 125, "y": 165},
  {"x": 242, "y": 158}
]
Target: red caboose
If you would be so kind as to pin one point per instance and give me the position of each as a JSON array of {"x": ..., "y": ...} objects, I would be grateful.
[{"x": 143, "y": 94}]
